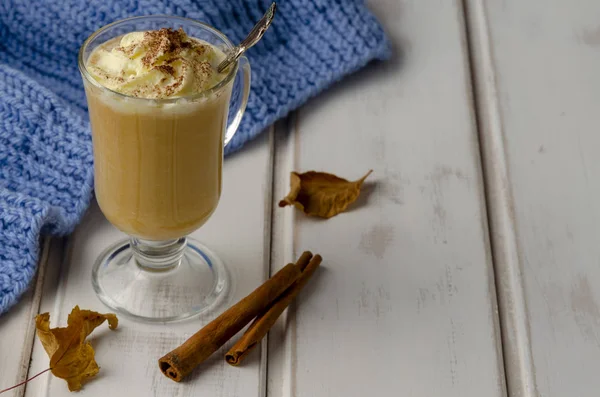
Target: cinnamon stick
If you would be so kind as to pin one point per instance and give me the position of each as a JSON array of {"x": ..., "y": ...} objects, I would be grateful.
[
  {"x": 304, "y": 260},
  {"x": 263, "y": 323},
  {"x": 180, "y": 362}
]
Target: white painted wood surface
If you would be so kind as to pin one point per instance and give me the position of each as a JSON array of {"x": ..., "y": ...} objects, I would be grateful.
[
  {"x": 14, "y": 334},
  {"x": 17, "y": 327},
  {"x": 405, "y": 302},
  {"x": 537, "y": 65},
  {"x": 238, "y": 232}
]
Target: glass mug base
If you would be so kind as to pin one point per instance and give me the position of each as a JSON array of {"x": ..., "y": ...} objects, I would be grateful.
[{"x": 196, "y": 281}]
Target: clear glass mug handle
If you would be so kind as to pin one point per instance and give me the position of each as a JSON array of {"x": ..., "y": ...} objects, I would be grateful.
[{"x": 239, "y": 98}]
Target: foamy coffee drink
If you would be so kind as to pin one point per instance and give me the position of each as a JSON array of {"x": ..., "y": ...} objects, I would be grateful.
[{"x": 157, "y": 163}]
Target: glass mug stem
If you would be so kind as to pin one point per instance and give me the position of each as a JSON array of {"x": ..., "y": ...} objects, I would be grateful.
[{"x": 158, "y": 256}]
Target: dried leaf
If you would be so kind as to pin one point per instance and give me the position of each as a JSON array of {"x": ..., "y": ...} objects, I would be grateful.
[
  {"x": 321, "y": 194},
  {"x": 71, "y": 356}
]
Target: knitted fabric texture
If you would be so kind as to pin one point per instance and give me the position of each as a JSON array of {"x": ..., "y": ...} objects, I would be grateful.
[{"x": 46, "y": 175}]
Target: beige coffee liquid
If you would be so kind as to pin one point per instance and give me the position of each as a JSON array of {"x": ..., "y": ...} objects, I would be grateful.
[{"x": 157, "y": 167}]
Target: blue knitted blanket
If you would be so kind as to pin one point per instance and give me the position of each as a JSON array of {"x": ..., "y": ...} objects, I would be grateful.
[{"x": 45, "y": 144}]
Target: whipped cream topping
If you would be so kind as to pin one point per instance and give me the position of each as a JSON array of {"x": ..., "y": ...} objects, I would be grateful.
[{"x": 156, "y": 64}]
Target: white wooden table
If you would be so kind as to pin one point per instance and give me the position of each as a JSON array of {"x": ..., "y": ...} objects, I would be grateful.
[{"x": 471, "y": 266}]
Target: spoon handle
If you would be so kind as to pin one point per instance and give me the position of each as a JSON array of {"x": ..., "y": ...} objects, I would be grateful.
[{"x": 253, "y": 37}]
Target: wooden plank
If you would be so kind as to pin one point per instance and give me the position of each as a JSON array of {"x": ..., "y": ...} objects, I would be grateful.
[
  {"x": 405, "y": 302},
  {"x": 536, "y": 65},
  {"x": 128, "y": 357},
  {"x": 17, "y": 327}
]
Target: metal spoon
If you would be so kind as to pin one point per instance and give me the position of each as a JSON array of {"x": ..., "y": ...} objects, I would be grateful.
[{"x": 253, "y": 37}]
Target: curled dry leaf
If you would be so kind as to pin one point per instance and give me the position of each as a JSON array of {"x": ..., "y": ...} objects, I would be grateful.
[
  {"x": 71, "y": 356},
  {"x": 321, "y": 194}
]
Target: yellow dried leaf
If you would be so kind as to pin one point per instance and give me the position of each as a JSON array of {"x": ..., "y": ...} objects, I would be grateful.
[
  {"x": 321, "y": 194},
  {"x": 71, "y": 356}
]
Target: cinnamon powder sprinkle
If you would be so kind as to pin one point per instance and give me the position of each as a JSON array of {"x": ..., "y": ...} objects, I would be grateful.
[
  {"x": 166, "y": 69},
  {"x": 179, "y": 58},
  {"x": 163, "y": 41}
]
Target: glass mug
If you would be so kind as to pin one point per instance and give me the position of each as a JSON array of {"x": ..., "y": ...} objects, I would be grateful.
[{"x": 157, "y": 175}]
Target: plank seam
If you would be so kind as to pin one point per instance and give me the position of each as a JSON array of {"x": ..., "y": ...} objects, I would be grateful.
[
  {"x": 516, "y": 343},
  {"x": 282, "y": 250},
  {"x": 485, "y": 225},
  {"x": 33, "y": 311},
  {"x": 268, "y": 237}
]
